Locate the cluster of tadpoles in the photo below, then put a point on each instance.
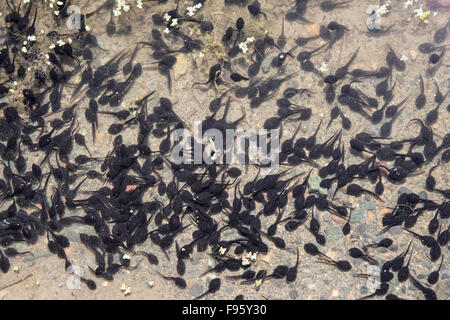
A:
(45, 198)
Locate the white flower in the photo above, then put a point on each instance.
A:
(174, 22)
(198, 6)
(408, 3)
(167, 17)
(222, 251)
(166, 30)
(243, 47)
(88, 28)
(250, 40)
(382, 10)
(125, 289)
(404, 58)
(201, 55)
(24, 49)
(323, 67)
(52, 46)
(139, 4)
(245, 262)
(56, 13)
(191, 11)
(419, 12)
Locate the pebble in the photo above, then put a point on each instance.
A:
(363, 290)
(314, 184)
(333, 234)
(181, 67)
(361, 228)
(196, 290)
(326, 217)
(266, 64)
(370, 205)
(403, 189)
(395, 230)
(73, 236)
(293, 294)
(423, 195)
(382, 250)
(358, 215)
(312, 30)
(393, 247)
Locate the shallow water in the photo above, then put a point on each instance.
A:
(314, 280)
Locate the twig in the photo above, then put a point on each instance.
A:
(16, 282)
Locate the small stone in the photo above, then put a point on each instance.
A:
(73, 236)
(358, 215)
(314, 184)
(423, 195)
(293, 294)
(382, 250)
(393, 248)
(404, 190)
(326, 217)
(333, 234)
(363, 290)
(361, 228)
(413, 55)
(370, 205)
(312, 30)
(266, 64)
(196, 290)
(395, 230)
(181, 66)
